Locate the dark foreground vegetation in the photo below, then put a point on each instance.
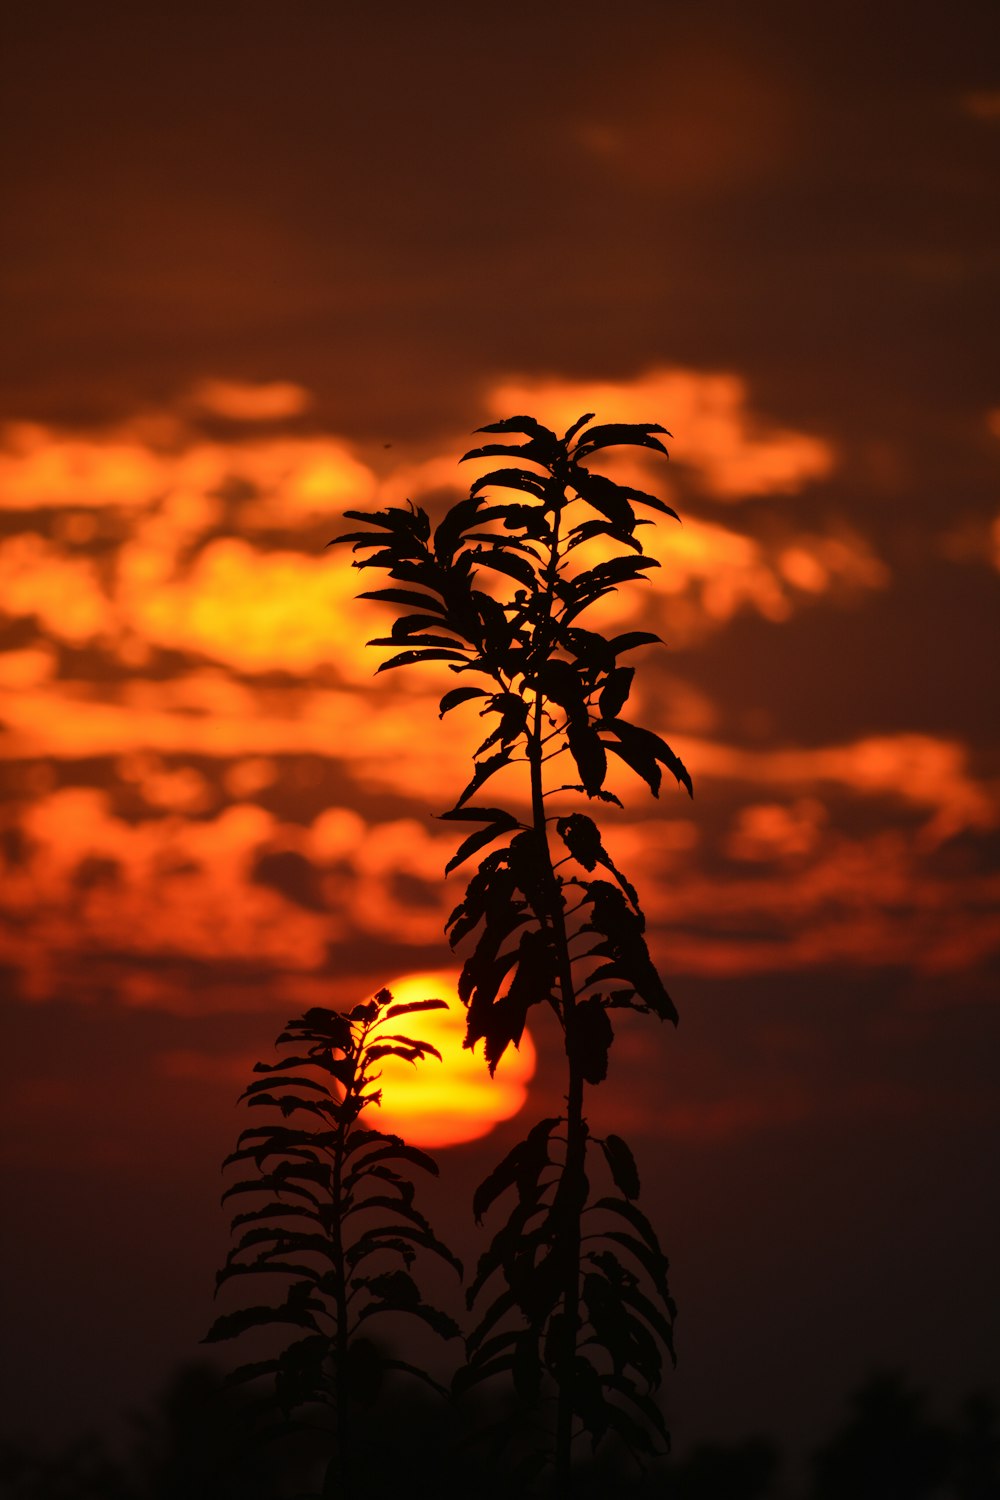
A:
(194, 1446)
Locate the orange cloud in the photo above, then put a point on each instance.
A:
(179, 886)
(864, 906)
(194, 879)
(65, 594)
(243, 401)
(176, 576)
(42, 468)
(771, 830)
(154, 463)
(734, 453)
(209, 714)
(257, 611)
(918, 769)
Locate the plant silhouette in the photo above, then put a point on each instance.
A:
(575, 1285)
(338, 1225)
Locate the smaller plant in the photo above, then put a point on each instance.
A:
(338, 1225)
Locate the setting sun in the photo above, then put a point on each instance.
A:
(444, 1103)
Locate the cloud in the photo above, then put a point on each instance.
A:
(44, 468)
(711, 573)
(64, 593)
(867, 904)
(156, 464)
(236, 884)
(773, 830)
(156, 539)
(176, 634)
(922, 770)
(244, 401)
(255, 610)
(733, 453)
(234, 887)
(819, 564)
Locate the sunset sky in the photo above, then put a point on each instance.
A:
(264, 263)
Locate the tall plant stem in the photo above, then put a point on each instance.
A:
(572, 1185)
(337, 1481)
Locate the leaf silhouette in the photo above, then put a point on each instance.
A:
(511, 479)
(484, 770)
(527, 425)
(614, 694)
(454, 696)
(616, 434)
(410, 1006)
(590, 1039)
(410, 597)
(407, 658)
(622, 1164)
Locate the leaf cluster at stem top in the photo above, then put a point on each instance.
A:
(495, 592)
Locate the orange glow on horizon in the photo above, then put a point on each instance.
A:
(445, 1103)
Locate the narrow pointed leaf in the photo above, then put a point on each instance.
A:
(475, 841)
(620, 434)
(571, 432)
(454, 696)
(622, 1164)
(406, 597)
(484, 770)
(406, 658)
(525, 480)
(407, 1007)
(528, 425)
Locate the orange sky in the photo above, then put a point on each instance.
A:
(258, 273)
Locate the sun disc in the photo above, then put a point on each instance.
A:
(433, 1103)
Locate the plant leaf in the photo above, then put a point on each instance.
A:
(407, 1007)
(475, 841)
(528, 425)
(511, 479)
(590, 1038)
(406, 658)
(454, 696)
(588, 752)
(484, 770)
(524, 1162)
(622, 1165)
(620, 434)
(502, 561)
(406, 597)
(615, 692)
